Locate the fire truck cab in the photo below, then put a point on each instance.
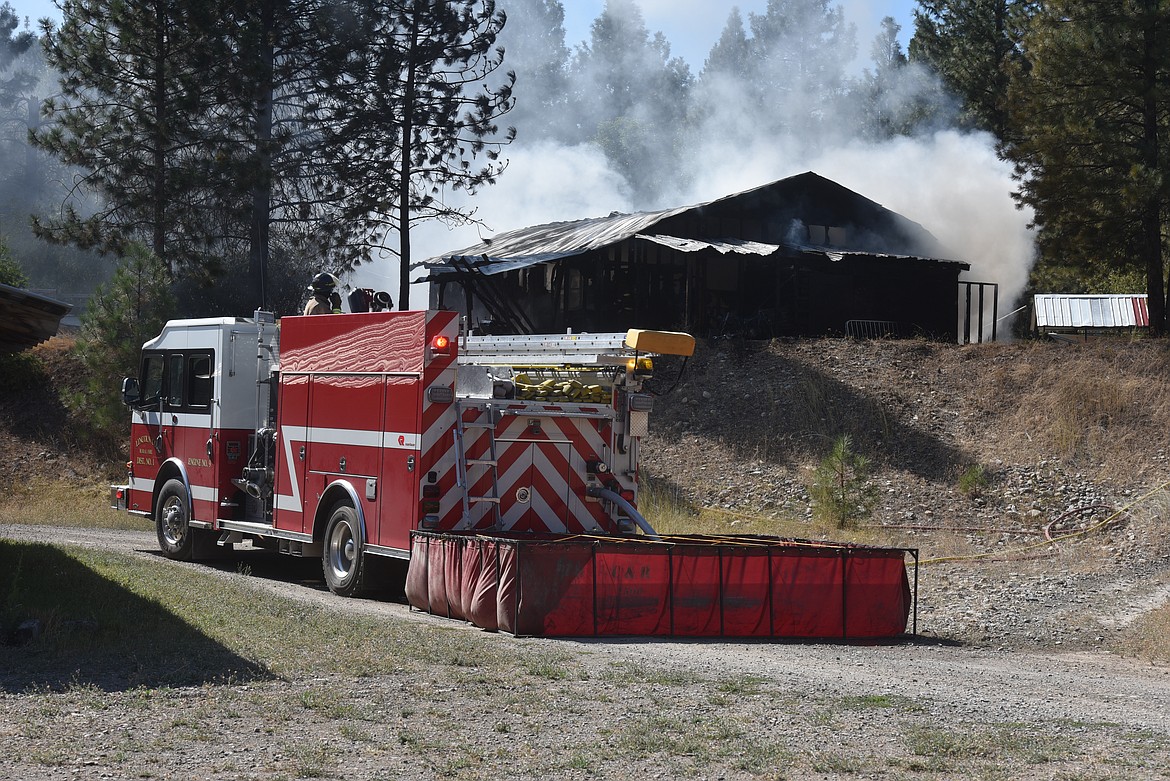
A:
(195, 407)
(339, 435)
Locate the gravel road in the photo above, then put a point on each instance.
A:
(937, 706)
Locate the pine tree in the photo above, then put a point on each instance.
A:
(972, 45)
(1091, 121)
(801, 48)
(730, 57)
(132, 98)
(635, 97)
(12, 45)
(202, 130)
(10, 271)
(534, 40)
(122, 314)
(898, 97)
(423, 69)
(281, 189)
(32, 181)
(841, 491)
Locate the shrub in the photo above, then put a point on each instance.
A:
(841, 491)
(10, 271)
(973, 481)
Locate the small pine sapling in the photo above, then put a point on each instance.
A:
(841, 490)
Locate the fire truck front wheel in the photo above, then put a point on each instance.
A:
(342, 558)
(172, 519)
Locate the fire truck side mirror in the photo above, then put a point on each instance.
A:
(131, 392)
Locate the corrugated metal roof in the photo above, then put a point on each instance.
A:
(553, 241)
(1091, 311)
(837, 255)
(524, 247)
(722, 246)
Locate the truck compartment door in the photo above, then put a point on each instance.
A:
(534, 484)
(398, 488)
(291, 453)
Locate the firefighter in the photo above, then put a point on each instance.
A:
(323, 287)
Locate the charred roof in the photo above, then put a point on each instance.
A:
(803, 212)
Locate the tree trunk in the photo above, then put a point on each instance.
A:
(261, 216)
(159, 185)
(408, 99)
(1151, 223)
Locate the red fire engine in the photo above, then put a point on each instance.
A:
(504, 468)
(340, 435)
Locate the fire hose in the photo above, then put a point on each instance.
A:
(598, 492)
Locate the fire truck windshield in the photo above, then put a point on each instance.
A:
(152, 378)
(183, 380)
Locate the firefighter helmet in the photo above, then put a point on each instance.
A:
(324, 283)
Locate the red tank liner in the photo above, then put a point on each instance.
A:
(550, 585)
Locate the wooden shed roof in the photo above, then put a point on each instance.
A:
(27, 318)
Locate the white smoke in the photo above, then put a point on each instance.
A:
(956, 186)
(951, 183)
(544, 182)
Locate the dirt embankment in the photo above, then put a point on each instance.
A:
(40, 439)
(982, 454)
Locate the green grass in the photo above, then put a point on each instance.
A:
(104, 615)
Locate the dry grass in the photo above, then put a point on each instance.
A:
(1148, 637)
(1092, 414)
(59, 503)
(1096, 404)
(669, 512)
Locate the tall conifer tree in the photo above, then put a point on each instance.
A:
(12, 45)
(534, 39)
(132, 99)
(801, 49)
(972, 45)
(731, 55)
(632, 98)
(1092, 124)
(426, 67)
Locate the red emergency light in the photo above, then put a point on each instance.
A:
(441, 345)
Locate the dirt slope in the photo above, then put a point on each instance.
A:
(1094, 418)
(39, 438)
(1066, 436)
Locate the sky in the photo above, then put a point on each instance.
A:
(691, 26)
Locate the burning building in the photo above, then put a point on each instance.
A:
(802, 256)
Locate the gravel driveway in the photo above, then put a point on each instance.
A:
(937, 706)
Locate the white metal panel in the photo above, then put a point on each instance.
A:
(1088, 311)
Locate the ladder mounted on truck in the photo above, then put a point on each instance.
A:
(611, 349)
(464, 476)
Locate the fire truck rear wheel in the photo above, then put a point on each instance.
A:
(172, 519)
(342, 558)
